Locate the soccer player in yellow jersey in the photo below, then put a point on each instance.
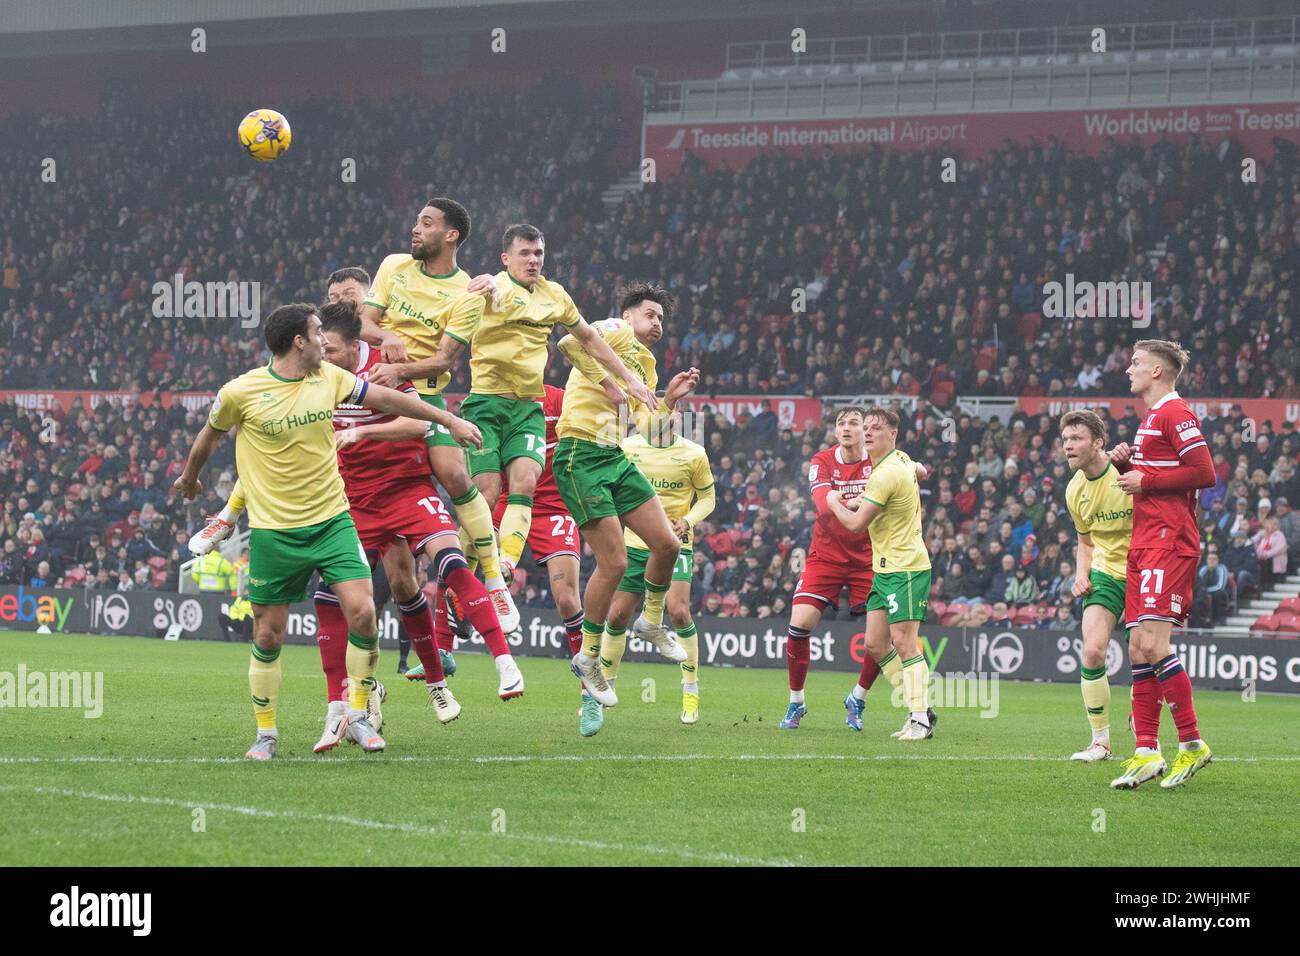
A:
(507, 363)
(297, 508)
(678, 470)
(1103, 517)
(399, 580)
(604, 491)
(889, 508)
(416, 303)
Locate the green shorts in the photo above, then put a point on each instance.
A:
(1108, 592)
(438, 436)
(280, 563)
(511, 428)
(904, 594)
(597, 481)
(634, 578)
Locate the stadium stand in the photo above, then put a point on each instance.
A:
(932, 295)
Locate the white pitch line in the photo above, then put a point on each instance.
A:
(596, 758)
(411, 828)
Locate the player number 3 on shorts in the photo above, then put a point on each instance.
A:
(893, 603)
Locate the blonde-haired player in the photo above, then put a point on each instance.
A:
(678, 470)
(1103, 517)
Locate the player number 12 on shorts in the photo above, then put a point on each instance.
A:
(433, 505)
(1146, 579)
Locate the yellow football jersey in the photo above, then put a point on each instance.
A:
(1102, 511)
(420, 308)
(896, 542)
(284, 447)
(679, 473)
(588, 413)
(510, 344)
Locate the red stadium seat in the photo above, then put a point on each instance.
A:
(938, 608)
(1026, 615)
(986, 359)
(949, 619)
(1290, 606)
(1266, 624)
(1287, 622)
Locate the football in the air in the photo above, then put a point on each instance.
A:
(265, 135)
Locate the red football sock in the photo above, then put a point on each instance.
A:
(1146, 706)
(1176, 687)
(332, 641)
(418, 618)
(478, 608)
(870, 671)
(442, 631)
(796, 655)
(573, 631)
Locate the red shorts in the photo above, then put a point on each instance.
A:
(552, 533)
(821, 583)
(1158, 586)
(410, 510)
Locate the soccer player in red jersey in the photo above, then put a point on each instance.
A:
(391, 496)
(837, 558)
(1167, 464)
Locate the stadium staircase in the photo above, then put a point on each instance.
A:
(1274, 612)
(613, 196)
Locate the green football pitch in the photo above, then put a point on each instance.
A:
(159, 777)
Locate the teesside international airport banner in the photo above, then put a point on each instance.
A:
(971, 135)
(1007, 653)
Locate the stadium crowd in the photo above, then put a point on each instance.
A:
(814, 275)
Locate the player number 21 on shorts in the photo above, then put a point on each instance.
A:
(1146, 579)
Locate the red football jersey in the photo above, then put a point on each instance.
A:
(369, 465)
(1167, 519)
(547, 496)
(831, 541)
